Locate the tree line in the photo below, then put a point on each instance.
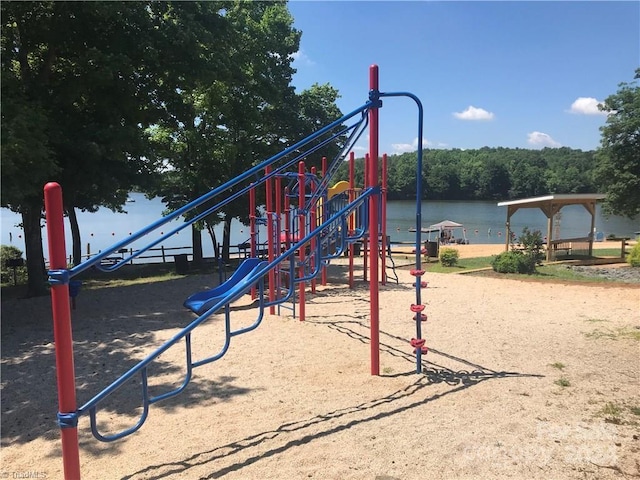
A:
(488, 173)
(176, 98)
(168, 98)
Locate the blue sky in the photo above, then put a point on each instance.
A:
(511, 74)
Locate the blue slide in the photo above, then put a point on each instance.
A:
(200, 302)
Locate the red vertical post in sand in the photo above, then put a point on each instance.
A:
(323, 217)
(374, 288)
(270, 234)
(62, 332)
(301, 233)
(352, 216)
(383, 220)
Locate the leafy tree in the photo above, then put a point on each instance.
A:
(316, 108)
(81, 82)
(494, 181)
(618, 169)
(528, 178)
(235, 121)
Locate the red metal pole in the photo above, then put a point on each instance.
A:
(373, 225)
(301, 232)
(383, 219)
(62, 332)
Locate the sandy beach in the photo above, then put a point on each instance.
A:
(523, 380)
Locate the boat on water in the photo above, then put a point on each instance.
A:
(445, 232)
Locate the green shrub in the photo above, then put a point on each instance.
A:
(508, 262)
(9, 252)
(448, 257)
(525, 257)
(634, 256)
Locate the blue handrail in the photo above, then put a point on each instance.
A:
(333, 228)
(255, 277)
(252, 173)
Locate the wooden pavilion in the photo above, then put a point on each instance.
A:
(550, 206)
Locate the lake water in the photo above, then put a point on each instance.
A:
(104, 228)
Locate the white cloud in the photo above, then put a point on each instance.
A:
(539, 139)
(473, 113)
(586, 106)
(302, 59)
(410, 147)
(360, 148)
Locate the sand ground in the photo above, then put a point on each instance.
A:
(522, 380)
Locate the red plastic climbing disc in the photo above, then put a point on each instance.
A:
(417, 308)
(416, 273)
(417, 342)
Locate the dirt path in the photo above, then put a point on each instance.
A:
(522, 380)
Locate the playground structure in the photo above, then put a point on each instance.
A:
(301, 240)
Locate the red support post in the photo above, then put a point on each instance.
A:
(62, 331)
(373, 223)
(301, 233)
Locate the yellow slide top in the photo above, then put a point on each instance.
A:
(338, 188)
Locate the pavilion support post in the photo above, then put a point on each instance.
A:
(591, 208)
(549, 232)
(510, 212)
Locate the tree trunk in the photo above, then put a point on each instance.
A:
(226, 238)
(214, 239)
(37, 275)
(75, 236)
(196, 236)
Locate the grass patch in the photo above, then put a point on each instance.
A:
(635, 410)
(462, 265)
(625, 333)
(560, 272)
(558, 365)
(563, 382)
(606, 252)
(126, 275)
(611, 412)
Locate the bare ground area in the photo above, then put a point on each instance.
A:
(522, 380)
